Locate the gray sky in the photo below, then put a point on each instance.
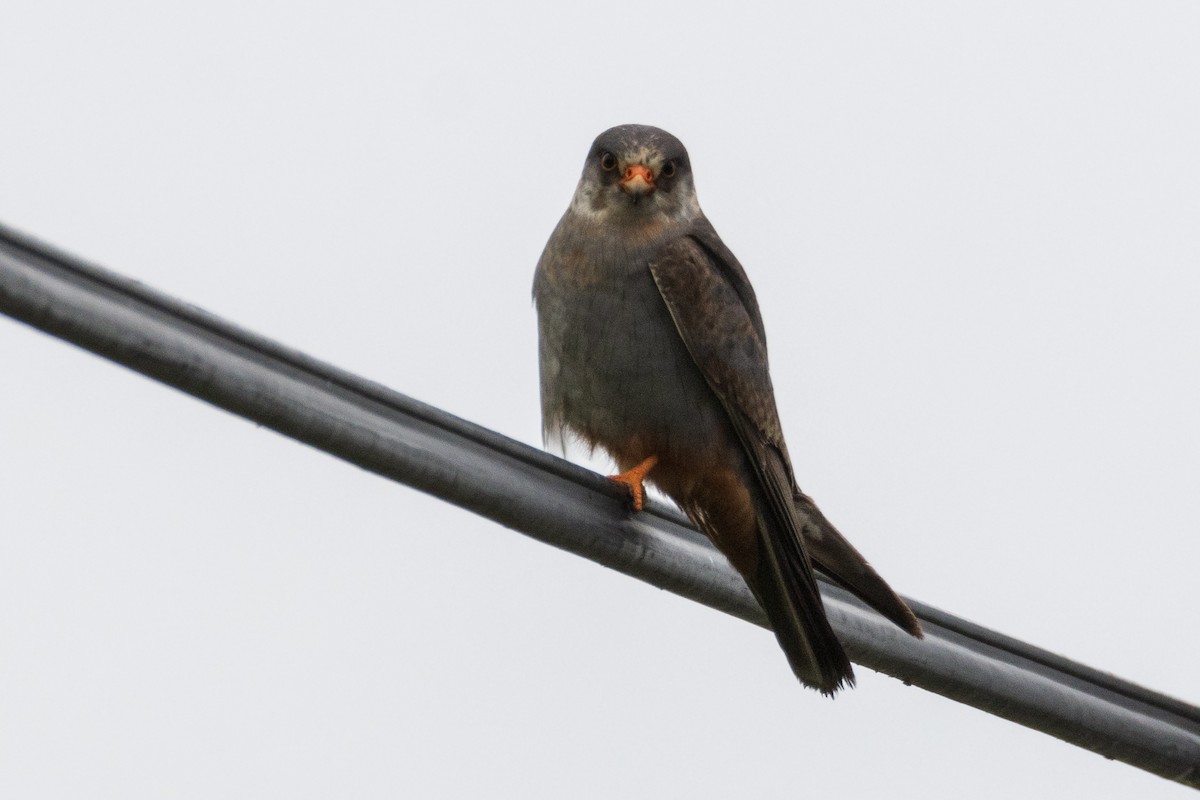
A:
(973, 232)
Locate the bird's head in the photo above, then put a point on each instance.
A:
(637, 174)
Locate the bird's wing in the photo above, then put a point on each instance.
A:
(724, 261)
(839, 559)
(826, 546)
(714, 310)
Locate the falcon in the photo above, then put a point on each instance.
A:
(652, 348)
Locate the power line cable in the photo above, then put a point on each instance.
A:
(565, 505)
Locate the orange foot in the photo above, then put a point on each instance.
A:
(632, 480)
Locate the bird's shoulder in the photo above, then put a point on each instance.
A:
(716, 314)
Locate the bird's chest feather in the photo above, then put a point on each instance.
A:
(614, 369)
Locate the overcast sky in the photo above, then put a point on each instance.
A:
(973, 232)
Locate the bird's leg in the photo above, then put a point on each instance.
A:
(632, 480)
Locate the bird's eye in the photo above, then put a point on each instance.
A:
(668, 170)
(608, 162)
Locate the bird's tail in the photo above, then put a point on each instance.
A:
(787, 590)
(836, 557)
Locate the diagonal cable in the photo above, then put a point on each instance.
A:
(564, 505)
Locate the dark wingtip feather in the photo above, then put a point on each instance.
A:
(837, 558)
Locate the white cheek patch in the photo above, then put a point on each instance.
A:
(582, 204)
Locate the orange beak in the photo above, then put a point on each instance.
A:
(638, 180)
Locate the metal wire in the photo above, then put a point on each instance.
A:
(564, 505)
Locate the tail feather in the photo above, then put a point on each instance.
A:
(787, 591)
(836, 557)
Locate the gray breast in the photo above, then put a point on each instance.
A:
(612, 363)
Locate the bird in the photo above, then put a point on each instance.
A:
(652, 348)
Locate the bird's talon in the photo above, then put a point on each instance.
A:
(632, 480)
(637, 493)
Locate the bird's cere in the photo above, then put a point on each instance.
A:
(638, 179)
